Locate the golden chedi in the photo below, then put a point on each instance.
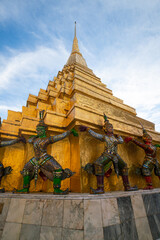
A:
(76, 96)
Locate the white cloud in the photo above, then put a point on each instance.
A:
(5, 107)
(26, 72)
(135, 77)
(146, 5)
(34, 66)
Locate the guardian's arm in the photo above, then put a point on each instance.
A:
(31, 139)
(53, 139)
(96, 135)
(9, 142)
(142, 145)
(120, 140)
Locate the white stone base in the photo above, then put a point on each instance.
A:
(113, 215)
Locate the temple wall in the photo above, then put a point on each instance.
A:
(75, 180)
(13, 156)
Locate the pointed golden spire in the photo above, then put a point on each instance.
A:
(75, 47)
(76, 56)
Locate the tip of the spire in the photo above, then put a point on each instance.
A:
(75, 29)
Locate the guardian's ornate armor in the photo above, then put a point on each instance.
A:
(150, 160)
(48, 166)
(102, 166)
(110, 155)
(43, 161)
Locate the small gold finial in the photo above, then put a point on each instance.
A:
(75, 47)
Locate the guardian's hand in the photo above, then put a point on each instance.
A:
(128, 139)
(22, 139)
(83, 128)
(74, 132)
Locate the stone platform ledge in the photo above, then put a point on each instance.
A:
(83, 196)
(110, 216)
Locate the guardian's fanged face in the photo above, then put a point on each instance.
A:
(40, 130)
(108, 128)
(147, 138)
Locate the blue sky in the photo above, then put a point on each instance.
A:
(119, 39)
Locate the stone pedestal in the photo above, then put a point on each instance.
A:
(111, 216)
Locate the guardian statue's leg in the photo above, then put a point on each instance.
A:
(99, 173)
(53, 171)
(124, 173)
(147, 168)
(28, 174)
